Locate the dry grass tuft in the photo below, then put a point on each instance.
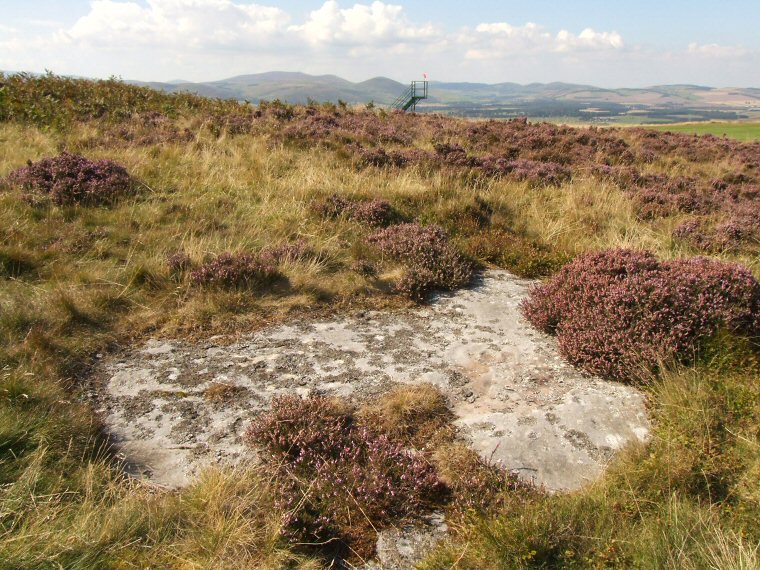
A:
(221, 392)
(418, 414)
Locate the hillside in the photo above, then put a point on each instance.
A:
(282, 336)
(664, 103)
(291, 87)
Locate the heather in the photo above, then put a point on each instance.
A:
(233, 270)
(622, 313)
(374, 212)
(340, 479)
(219, 176)
(72, 179)
(431, 262)
(284, 252)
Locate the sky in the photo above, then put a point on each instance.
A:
(612, 43)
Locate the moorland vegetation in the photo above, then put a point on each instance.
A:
(127, 213)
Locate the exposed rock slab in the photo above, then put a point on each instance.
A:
(175, 407)
(402, 548)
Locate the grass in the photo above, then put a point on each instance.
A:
(741, 131)
(78, 281)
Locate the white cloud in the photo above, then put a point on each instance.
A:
(497, 40)
(178, 23)
(376, 23)
(717, 50)
(500, 39)
(588, 39)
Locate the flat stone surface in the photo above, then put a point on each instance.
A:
(403, 547)
(517, 402)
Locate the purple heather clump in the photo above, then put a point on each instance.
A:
(338, 478)
(431, 261)
(72, 179)
(375, 212)
(536, 173)
(620, 313)
(178, 261)
(283, 252)
(234, 270)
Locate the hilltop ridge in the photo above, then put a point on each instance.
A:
(658, 103)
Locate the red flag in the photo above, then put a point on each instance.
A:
(424, 75)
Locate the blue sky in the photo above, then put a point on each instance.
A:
(588, 41)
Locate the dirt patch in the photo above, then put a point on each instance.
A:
(175, 406)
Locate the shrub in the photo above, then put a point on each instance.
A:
(338, 479)
(431, 261)
(286, 252)
(374, 212)
(178, 262)
(331, 207)
(621, 313)
(380, 158)
(738, 230)
(741, 226)
(72, 179)
(536, 173)
(233, 270)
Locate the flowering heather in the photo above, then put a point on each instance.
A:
(431, 261)
(455, 155)
(374, 212)
(741, 226)
(658, 196)
(276, 254)
(178, 262)
(620, 313)
(332, 207)
(72, 179)
(233, 270)
(537, 173)
(738, 229)
(380, 157)
(693, 233)
(339, 479)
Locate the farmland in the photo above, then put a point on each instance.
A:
(741, 131)
(128, 215)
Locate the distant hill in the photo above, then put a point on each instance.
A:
(292, 87)
(564, 101)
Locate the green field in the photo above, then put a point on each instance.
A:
(738, 131)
